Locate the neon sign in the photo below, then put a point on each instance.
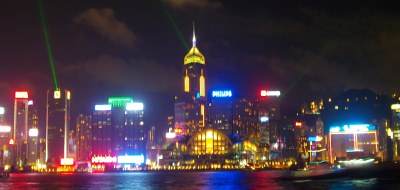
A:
(263, 93)
(21, 95)
(314, 138)
(120, 101)
(352, 128)
(104, 159)
(222, 93)
(274, 93)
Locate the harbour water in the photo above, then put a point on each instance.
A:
(186, 180)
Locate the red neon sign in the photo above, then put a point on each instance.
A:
(263, 93)
(21, 95)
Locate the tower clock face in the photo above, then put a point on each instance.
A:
(57, 94)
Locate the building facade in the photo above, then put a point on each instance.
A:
(83, 137)
(118, 128)
(20, 130)
(57, 125)
(221, 111)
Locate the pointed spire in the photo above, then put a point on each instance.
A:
(194, 37)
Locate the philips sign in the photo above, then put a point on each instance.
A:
(222, 94)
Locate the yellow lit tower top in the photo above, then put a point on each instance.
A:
(194, 71)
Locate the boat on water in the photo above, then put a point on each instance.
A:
(315, 170)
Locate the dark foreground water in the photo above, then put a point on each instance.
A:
(185, 180)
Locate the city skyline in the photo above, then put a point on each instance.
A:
(124, 48)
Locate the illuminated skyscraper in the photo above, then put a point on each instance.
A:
(246, 121)
(20, 131)
(33, 134)
(269, 114)
(221, 111)
(190, 107)
(118, 128)
(57, 125)
(361, 106)
(83, 137)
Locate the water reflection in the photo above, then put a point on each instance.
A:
(184, 180)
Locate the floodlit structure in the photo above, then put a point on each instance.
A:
(352, 142)
(209, 142)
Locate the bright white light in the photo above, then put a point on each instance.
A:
(395, 106)
(263, 93)
(67, 161)
(102, 107)
(57, 94)
(5, 129)
(354, 128)
(33, 132)
(209, 134)
(334, 129)
(274, 93)
(131, 159)
(21, 95)
(2, 110)
(30, 102)
(134, 106)
(357, 163)
(170, 135)
(264, 119)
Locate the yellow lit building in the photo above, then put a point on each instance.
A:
(210, 147)
(190, 105)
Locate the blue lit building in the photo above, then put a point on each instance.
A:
(221, 111)
(118, 128)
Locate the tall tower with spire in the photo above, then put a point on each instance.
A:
(190, 107)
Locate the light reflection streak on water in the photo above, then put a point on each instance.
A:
(184, 180)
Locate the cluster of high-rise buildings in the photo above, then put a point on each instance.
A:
(209, 130)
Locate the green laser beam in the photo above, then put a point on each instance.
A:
(171, 20)
(47, 40)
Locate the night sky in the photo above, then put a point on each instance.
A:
(136, 48)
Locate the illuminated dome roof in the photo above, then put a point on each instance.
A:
(209, 141)
(194, 56)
